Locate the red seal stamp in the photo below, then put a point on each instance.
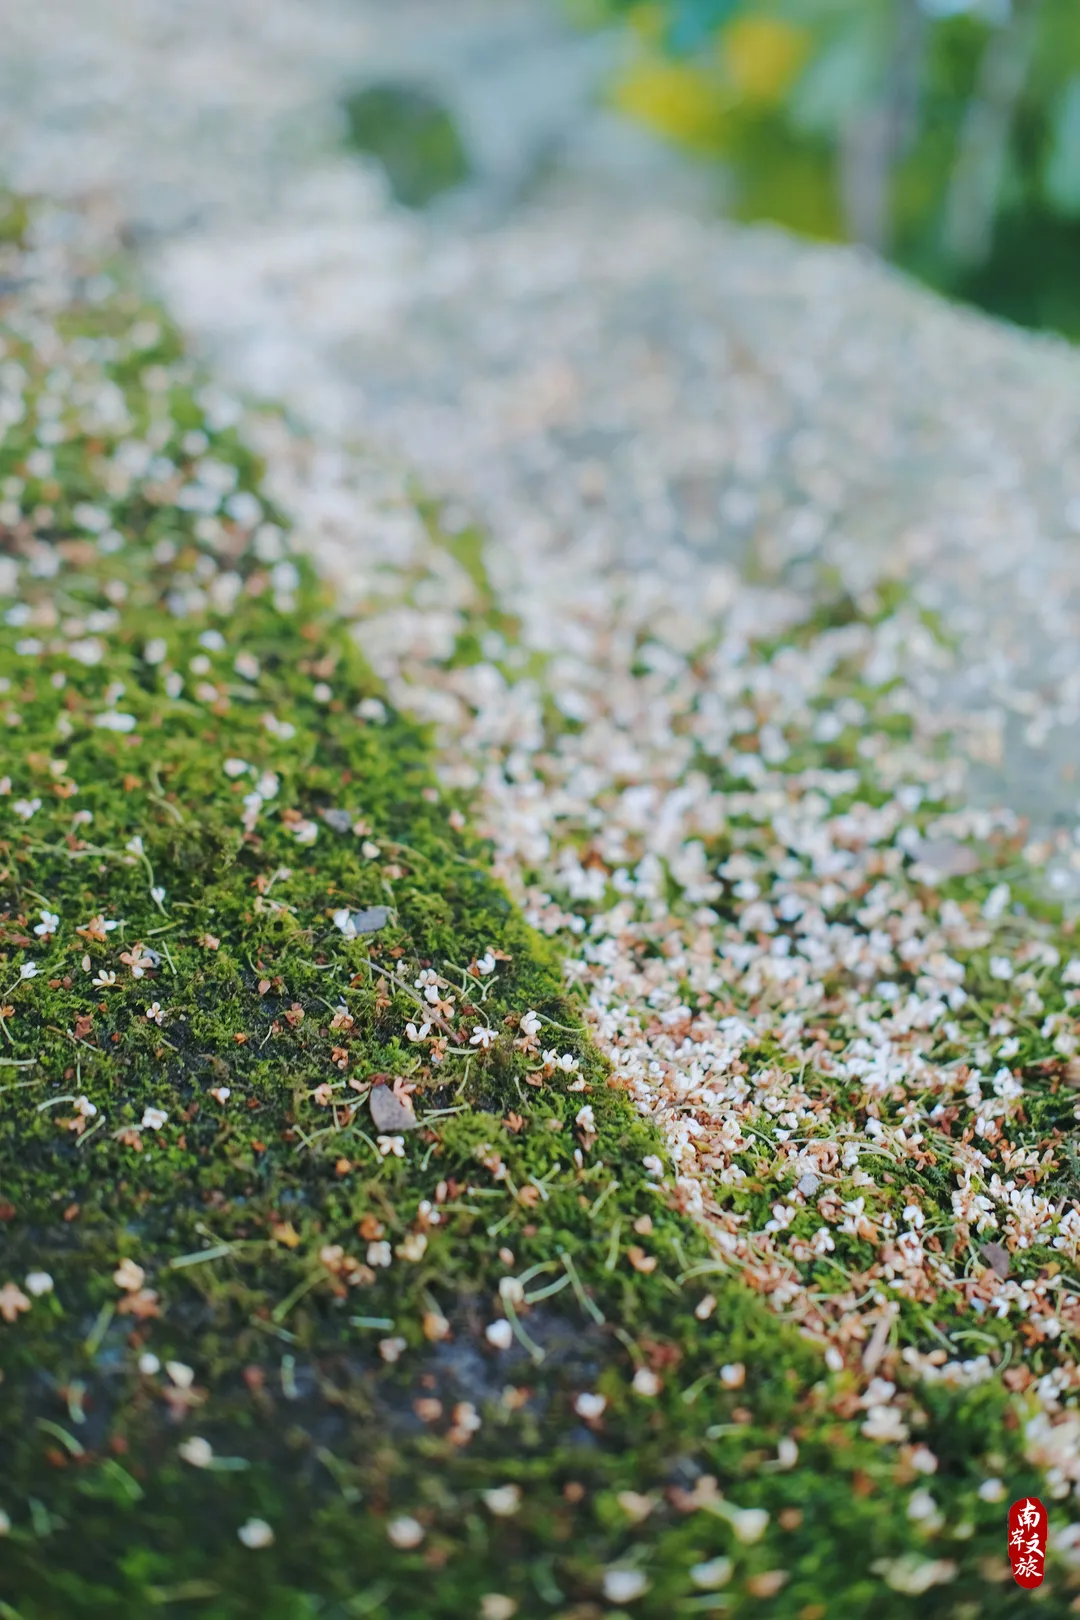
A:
(1027, 1541)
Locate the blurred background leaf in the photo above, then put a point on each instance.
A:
(943, 134)
(414, 136)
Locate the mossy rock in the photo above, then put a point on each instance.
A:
(258, 1359)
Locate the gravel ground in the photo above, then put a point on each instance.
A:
(675, 434)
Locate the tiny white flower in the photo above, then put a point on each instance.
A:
(716, 1573)
(114, 720)
(502, 1500)
(157, 894)
(134, 846)
(992, 1490)
(497, 1606)
(29, 970)
(49, 923)
(181, 1374)
(256, 1533)
(589, 1405)
(1000, 967)
(129, 1275)
(154, 1118)
(343, 919)
(499, 1334)
(103, 980)
(486, 963)
(568, 1063)
(483, 1038)
(85, 1107)
(197, 1451)
(25, 808)
(787, 1452)
(391, 1145)
(624, 1585)
(155, 1013)
(38, 1283)
(530, 1023)
(149, 1364)
(646, 1382)
(749, 1524)
(996, 901)
(404, 1533)
(220, 1094)
(420, 1034)
(378, 1254)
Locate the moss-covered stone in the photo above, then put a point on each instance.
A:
(247, 1367)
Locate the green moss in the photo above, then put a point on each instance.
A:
(250, 1214)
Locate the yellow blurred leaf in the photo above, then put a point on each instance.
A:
(679, 99)
(762, 56)
(649, 22)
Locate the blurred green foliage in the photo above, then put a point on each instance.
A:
(944, 134)
(413, 135)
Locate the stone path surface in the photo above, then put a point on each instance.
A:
(603, 374)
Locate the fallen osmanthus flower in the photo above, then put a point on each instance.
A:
(98, 928)
(129, 1275)
(503, 1501)
(140, 959)
(590, 1406)
(404, 1533)
(256, 1534)
(12, 1301)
